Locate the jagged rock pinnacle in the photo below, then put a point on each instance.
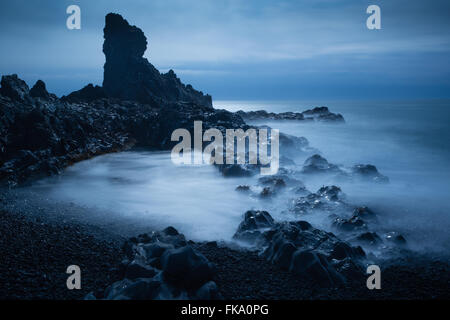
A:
(129, 76)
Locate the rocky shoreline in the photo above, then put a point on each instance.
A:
(138, 106)
(37, 270)
(321, 114)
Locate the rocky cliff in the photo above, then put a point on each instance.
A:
(137, 105)
(128, 75)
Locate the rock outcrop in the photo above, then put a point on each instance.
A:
(318, 164)
(162, 265)
(41, 134)
(316, 114)
(14, 88)
(302, 249)
(87, 94)
(368, 172)
(129, 76)
(39, 90)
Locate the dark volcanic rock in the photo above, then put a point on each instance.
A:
(161, 265)
(129, 76)
(298, 247)
(39, 90)
(262, 114)
(243, 188)
(370, 238)
(395, 238)
(351, 224)
(369, 172)
(364, 213)
(315, 265)
(275, 181)
(253, 224)
(318, 164)
(322, 114)
(87, 94)
(327, 198)
(237, 170)
(14, 88)
(62, 131)
(318, 114)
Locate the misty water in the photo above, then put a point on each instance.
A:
(407, 141)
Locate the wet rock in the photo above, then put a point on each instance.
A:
(185, 268)
(395, 237)
(272, 181)
(364, 213)
(327, 198)
(315, 265)
(368, 172)
(297, 246)
(208, 291)
(156, 249)
(237, 170)
(293, 146)
(322, 114)
(330, 193)
(318, 164)
(163, 266)
(318, 114)
(14, 88)
(212, 244)
(264, 115)
(126, 289)
(253, 224)
(243, 188)
(369, 238)
(87, 94)
(39, 90)
(342, 251)
(283, 255)
(266, 192)
(352, 224)
(138, 269)
(350, 269)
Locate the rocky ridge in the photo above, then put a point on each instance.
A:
(316, 114)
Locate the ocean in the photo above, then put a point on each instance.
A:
(408, 141)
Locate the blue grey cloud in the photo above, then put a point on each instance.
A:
(244, 48)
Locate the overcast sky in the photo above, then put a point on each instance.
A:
(243, 49)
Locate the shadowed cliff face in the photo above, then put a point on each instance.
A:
(129, 76)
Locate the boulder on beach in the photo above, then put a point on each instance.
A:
(162, 265)
(299, 247)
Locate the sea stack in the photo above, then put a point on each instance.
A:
(129, 76)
